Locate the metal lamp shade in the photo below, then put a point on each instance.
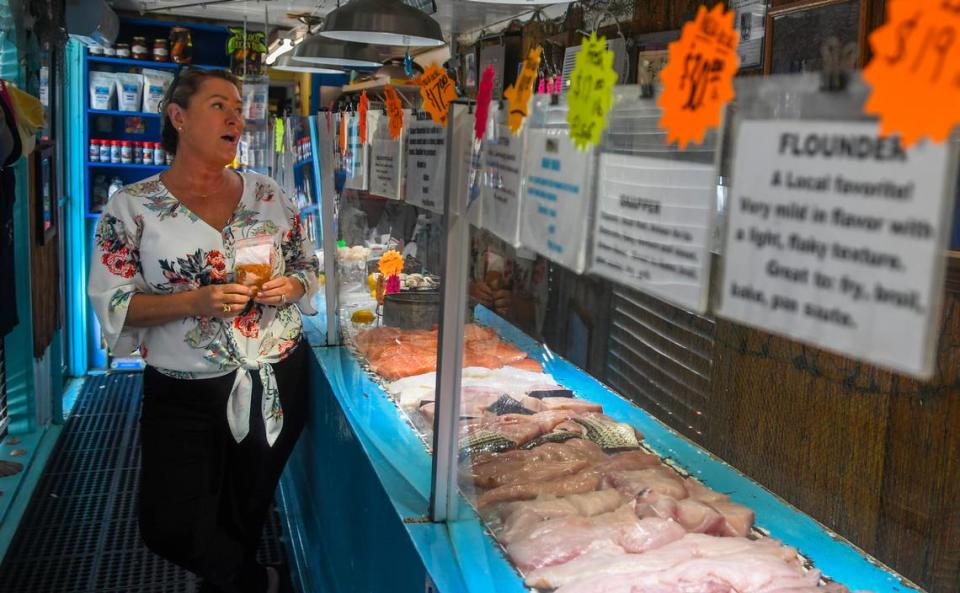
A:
(285, 62)
(328, 52)
(382, 22)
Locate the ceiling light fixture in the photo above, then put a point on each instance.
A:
(382, 22)
(276, 50)
(285, 62)
(317, 50)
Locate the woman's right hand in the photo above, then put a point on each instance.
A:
(221, 300)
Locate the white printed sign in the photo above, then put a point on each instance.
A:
(652, 227)
(386, 160)
(501, 192)
(356, 158)
(556, 198)
(749, 22)
(835, 238)
(426, 162)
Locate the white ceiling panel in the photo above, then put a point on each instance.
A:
(455, 16)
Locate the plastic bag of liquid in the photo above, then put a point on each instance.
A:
(102, 89)
(155, 85)
(129, 91)
(255, 261)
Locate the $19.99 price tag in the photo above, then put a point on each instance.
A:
(698, 78)
(915, 71)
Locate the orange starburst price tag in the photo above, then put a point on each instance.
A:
(519, 93)
(698, 78)
(915, 70)
(394, 111)
(437, 91)
(362, 113)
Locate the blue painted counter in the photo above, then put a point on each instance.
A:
(357, 488)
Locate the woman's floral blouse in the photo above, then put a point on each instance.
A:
(148, 242)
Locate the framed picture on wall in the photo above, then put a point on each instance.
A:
(795, 33)
(45, 192)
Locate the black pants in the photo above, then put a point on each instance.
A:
(204, 497)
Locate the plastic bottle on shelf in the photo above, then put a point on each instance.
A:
(159, 155)
(138, 153)
(105, 150)
(147, 153)
(126, 152)
(94, 150)
(116, 150)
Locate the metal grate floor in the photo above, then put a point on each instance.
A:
(79, 533)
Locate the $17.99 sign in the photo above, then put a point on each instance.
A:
(698, 78)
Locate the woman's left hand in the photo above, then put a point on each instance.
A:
(280, 292)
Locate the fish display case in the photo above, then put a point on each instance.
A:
(486, 461)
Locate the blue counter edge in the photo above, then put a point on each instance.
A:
(461, 557)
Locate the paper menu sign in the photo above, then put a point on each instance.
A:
(426, 159)
(386, 160)
(501, 191)
(355, 157)
(653, 227)
(556, 198)
(835, 238)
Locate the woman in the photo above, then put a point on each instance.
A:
(223, 394)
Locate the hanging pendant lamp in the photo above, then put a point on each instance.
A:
(382, 22)
(317, 50)
(285, 62)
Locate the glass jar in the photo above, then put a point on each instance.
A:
(159, 156)
(123, 50)
(139, 48)
(115, 152)
(126, 152)
(109, 51)
(181, 45)
(138, 153)
(148, 153)
(94, 151)
(161, 52)
(95, 49)
(105, 150)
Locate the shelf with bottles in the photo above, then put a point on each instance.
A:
(116, 113)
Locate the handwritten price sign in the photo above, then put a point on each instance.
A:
(394, 111)
(437, 91)
(915, 71)
(591, 92)
(519, 93)
(698, 78)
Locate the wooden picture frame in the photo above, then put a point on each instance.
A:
(45, 192)
(810, 8)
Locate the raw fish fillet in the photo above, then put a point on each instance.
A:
(521, 516)
(559, 540)
(595, 503)
(428, 410)
(584, 481)
(511, 467)
(659, 479)
(738, 519)
(613, 562)
(700, 492)
(692, 515)
(570, 403)
(528, 364)
(515, 427)
(630, 461)
(605, 568)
